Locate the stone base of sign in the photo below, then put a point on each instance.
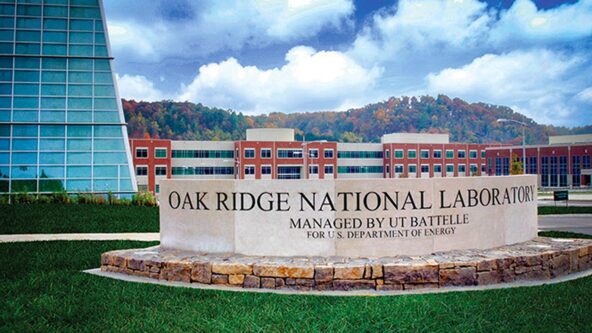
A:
(539, 259)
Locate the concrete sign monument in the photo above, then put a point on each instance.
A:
(354, 218)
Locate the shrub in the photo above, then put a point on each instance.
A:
(44, 199)
(60, 197)
(84, 198)
(144, 199)
(24, 198)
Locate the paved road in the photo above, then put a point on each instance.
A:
(581, 223)
(51, 237)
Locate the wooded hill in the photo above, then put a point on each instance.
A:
(465, 122)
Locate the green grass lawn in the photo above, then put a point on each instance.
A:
(44, 290)
(75, 218)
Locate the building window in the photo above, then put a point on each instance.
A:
(199, 171)
(483, 154)
(176, 153)
(313, 169)
(328, 153)
(462, 154)
(462, 169)
(289, 153)
(360, 154)
(387, 153)
(398, 153)
(328, 169)
(288, 172)
(425, 153)
(160, 170)
(472, 154)
(482, 169)
(473, 169)
(425, 168)
(249, 153)
(449, 169)
(399, 168)
(157, 188)
(449, 153)
(266, 170)
(313, 153)
(266, 153)
(141, 152)
(360, 169)
(412, 168)
(387, 169)
(141, 170)
(437, 153)
(411, 153)
(437, 168)
(160, 153)
(249, 169)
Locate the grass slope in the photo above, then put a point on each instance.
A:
(75, 218)
(44, 290)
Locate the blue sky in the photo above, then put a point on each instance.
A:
(261, 56)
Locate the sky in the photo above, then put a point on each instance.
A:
(262, 56)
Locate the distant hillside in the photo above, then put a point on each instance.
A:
(476, 122)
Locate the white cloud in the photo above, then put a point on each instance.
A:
(139, 88)
(585, 95)
(537, 82)
(211, 26)
(308, 81)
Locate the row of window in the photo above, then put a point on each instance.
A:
(53, 49)
(158, 153)
(60, 145)
(71, 64)
(436, 153)
(76, 157)
(58, 103)
(57, 131)
(61, 171)
(59, 37)
(88, 11)
(59, 116)
(202, 171)
(35, 76)
(283, 171)
(359, 154)
(73, 90)
(425, 168)
(186, 153)
(288, 153)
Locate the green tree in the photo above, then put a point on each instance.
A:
(516, 166)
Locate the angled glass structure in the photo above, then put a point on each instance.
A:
(61, 120)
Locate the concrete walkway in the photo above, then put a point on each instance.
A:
(144, 236)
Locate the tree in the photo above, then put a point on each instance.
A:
(516, 166)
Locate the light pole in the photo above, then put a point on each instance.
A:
(503, 120)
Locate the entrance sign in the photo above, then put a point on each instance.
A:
(347, 217)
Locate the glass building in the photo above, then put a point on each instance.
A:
(61, 120)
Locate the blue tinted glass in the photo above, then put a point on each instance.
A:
(80, 90)
(51, 144)
(54, 63)
(22, 48)
(81, 25)
(124, 171)
(105, 104)
(4, 130)
(6, 22)
(108, 144)
(106, 116)
(5, 102)
(85, 12)
(28, 10)
(84, 2)
(78, 158)
(81, 37)
(24, 144)
(28, 36)
(52, 131)
(80, 77)
(53, 116)
(80, 103)
(51, 171)
(56, 2)
(5, 75)
(26, 62)
(102, 65)
(4, 170)
(25, 115)
(26, 76)
(24, 130)
(6, 47)
(24, 158)
(104, 91)
(105, 184)
(53, 103)
(80, 64)
(4, 115)
(26, 89)
(101, 51)
(55, 24)
(79, 131)
(79, 116)
(7, 35)
(51, 158)
(125, 185)
(81, 50)
(55, 11)
(105, 171)
(107, 131)
(54, 49)
(54, 37)
(79, 144)
(6, 62)
(58, 77)
(100, 38)
(28, 23)
(78, 185)
(4, 158)
(78, 172)
(103, 78)
(25, 102)
(7, 9)
(5, 89)
(24, 171)
(53, 90)
(109, 158)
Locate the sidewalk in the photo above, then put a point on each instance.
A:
(144, 236)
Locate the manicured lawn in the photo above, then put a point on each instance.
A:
(44, 290)
(552, 210)
(76, 218)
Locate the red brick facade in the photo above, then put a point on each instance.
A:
(151, 161)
